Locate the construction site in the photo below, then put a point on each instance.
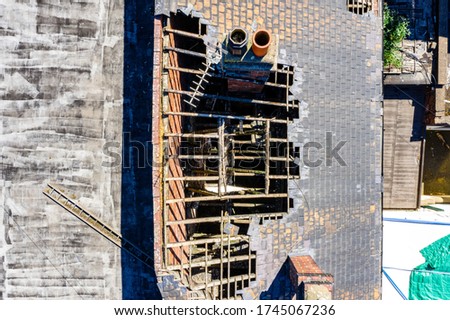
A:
(253, 170)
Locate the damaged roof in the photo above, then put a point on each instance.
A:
(336, 211)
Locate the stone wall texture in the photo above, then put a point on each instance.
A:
(61, 75)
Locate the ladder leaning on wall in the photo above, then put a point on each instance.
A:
(58, 196)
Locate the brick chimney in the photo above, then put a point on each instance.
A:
(311, 282)
(246, 72)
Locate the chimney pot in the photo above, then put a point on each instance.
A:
(237, 41)
(261, 42)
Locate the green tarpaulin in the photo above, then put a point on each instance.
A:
(431, 280)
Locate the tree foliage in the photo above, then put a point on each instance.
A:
(395, 30)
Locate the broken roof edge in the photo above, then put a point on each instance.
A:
(165, 7)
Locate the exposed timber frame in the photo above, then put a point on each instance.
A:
(226, 162)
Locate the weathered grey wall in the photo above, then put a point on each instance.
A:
(61, 79)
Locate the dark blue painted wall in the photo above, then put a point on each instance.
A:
(138, 282)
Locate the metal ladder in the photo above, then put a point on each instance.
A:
(58, 196)
(199, 84)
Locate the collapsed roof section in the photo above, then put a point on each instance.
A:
(337, 59)
(226, 155)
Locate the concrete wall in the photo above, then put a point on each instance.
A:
(61, 80)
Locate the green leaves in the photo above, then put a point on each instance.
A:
(395, 30)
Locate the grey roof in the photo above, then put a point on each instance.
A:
(337, 207)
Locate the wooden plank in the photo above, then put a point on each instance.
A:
(267, 158)
(402, 157)
(217, 282)
(233, 217)
(203, 241)
(442, 42)
(227, 197)
(227, 98)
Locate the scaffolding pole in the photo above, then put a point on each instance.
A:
(211, 262)
(183, 33)
(227, 197)
(267, 158)
(221, 255)
(222, 156)
(186, 52)
(203, 241)
(233, 217)
(184, 70)
(215, 283)
(228, 263)
(192, 156)
(193, 178)
(191, 135)
(225, 98)
(216, 116)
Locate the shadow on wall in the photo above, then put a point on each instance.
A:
(417, 95)
(281, 287)
(138, 282)
(436, 174)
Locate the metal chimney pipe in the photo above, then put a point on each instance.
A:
(237, 41)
